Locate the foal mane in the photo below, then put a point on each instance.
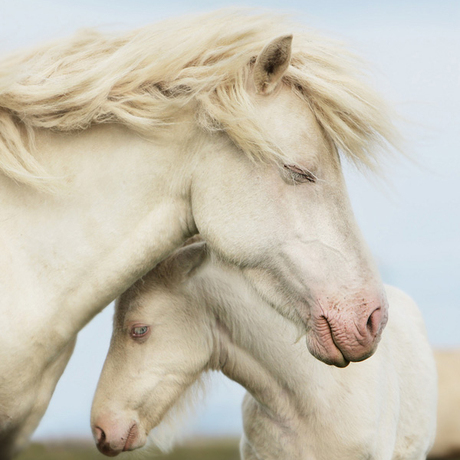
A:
(144, 78)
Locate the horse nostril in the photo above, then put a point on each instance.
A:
(100, 435)
(374, 321)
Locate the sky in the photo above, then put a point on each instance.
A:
(410, 216)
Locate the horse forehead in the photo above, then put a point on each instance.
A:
(287, 117)
(147, 301)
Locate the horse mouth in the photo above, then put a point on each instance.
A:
(131, 438)
(321, 344)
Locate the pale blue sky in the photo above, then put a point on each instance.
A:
(411, 221)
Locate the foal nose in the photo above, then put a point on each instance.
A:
(112, 438)
(99, 434)
(103, 444)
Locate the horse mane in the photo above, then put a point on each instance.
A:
(144, 78)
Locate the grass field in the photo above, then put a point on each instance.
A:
(204, 450)
(209, 450)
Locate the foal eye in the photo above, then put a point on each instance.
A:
(300, 175)
(139, 331)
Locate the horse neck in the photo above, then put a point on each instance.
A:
(256, 347)
(68, 255)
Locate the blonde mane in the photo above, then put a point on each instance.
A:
(143, 78)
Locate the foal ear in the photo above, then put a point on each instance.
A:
(189, 258)
(271, 64)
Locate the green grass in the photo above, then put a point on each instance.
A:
(73, 450)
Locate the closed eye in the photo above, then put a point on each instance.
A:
(300, 175)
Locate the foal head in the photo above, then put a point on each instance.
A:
(163, 340)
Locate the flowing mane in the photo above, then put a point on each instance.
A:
(143, 78)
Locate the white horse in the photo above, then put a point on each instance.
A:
(447, 442)
(115, 149)
(193, 313)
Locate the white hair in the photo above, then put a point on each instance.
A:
(143, 78)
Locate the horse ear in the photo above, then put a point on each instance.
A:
(271, 64)
(189, 258)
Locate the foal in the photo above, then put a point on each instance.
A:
(192, 313)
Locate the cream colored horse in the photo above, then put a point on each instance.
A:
(115, 149)
(193, 313)
(447, 442)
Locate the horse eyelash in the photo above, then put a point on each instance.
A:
(305, 173)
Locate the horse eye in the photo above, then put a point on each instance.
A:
(139, 331)
(300, 175)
